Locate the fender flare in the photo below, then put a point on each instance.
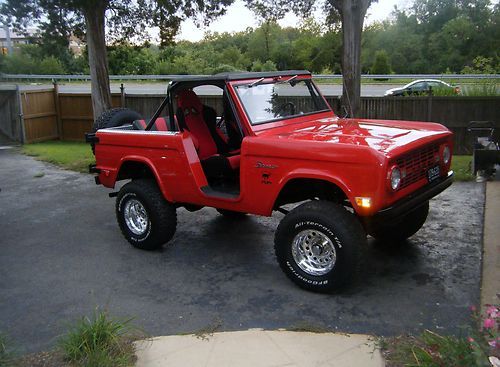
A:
(305, 174)
(150, 165)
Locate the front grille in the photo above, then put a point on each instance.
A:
(414, 165)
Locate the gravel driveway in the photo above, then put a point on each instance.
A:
(62, 255)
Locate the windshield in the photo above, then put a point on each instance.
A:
(274, 101)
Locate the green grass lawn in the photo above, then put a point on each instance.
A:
(69, 155)
(461, 165)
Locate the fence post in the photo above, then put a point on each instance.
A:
(122, 95)
(22, 132)
(58, 110)
(429, 105)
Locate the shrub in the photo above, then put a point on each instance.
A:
(478, 349)
(50, 65)
(381, 64)
(98, 341)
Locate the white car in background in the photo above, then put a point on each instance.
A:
(421, 86)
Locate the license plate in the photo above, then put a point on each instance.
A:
(433, 173)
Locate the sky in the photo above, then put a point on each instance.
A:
(238, 18)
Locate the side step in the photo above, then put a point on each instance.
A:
(207, 190)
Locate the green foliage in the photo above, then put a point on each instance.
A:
(131, 60)
(485, 88)
(483, 65)
(267, 66)
(51, 65)
(431, 36)
(381, 64)
(461, 166)
(6, 358)
(433, 350)
(98, 341)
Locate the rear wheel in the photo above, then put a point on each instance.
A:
(145, 218)
(318, 245)
(403, 228)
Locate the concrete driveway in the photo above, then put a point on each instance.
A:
(62, 255)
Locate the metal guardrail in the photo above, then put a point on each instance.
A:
(10, 77)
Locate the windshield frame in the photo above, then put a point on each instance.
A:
(280, 80)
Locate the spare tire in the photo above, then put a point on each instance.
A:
(116, 117)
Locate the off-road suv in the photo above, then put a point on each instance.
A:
(267, 141)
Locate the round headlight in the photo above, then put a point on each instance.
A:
(395, 178)
(446, 155)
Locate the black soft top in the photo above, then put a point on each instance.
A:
(237, 76)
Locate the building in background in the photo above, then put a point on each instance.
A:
(10, 40)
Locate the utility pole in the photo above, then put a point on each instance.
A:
(7, 37)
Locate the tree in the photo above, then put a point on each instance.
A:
(351, 13)
(125, 18)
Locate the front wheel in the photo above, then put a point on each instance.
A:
(318, 246)
(145, 218)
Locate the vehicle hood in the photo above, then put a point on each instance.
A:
(392, 90)
(385, 136)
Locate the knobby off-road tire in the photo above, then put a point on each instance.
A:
(230, 214)
(116, 117)
(405, 227)
(113, 118)
(318, 246)
(145, 218)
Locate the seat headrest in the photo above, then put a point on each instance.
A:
(189, 103)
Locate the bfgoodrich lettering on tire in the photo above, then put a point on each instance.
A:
(145, 218)
(318, 245)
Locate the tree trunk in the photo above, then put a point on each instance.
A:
(98, 60)
(353, 14)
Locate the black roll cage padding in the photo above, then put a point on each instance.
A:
(158, 112)
(235, 113)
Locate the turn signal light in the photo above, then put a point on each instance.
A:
(363, 202)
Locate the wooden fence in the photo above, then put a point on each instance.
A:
(51, 115)
(76, 116)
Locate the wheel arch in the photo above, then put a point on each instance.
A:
(139, 167)
(298, 188)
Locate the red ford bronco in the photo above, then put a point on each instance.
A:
(271, 140)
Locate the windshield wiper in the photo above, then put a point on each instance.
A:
(288, 80)
(255, 83)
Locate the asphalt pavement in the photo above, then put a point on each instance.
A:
(62, 255)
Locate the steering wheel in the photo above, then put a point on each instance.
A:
(285, 105)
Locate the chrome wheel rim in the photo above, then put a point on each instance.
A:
(136, 217)
(314, 252)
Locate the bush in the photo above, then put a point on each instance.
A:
(98, 341)
(50, 65)
(381, 64)
(430, 349)
(19, 64)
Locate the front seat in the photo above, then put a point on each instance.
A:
(200, 121)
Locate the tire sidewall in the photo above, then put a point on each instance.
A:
(116, 117)
(122, 200)
(316, 282)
